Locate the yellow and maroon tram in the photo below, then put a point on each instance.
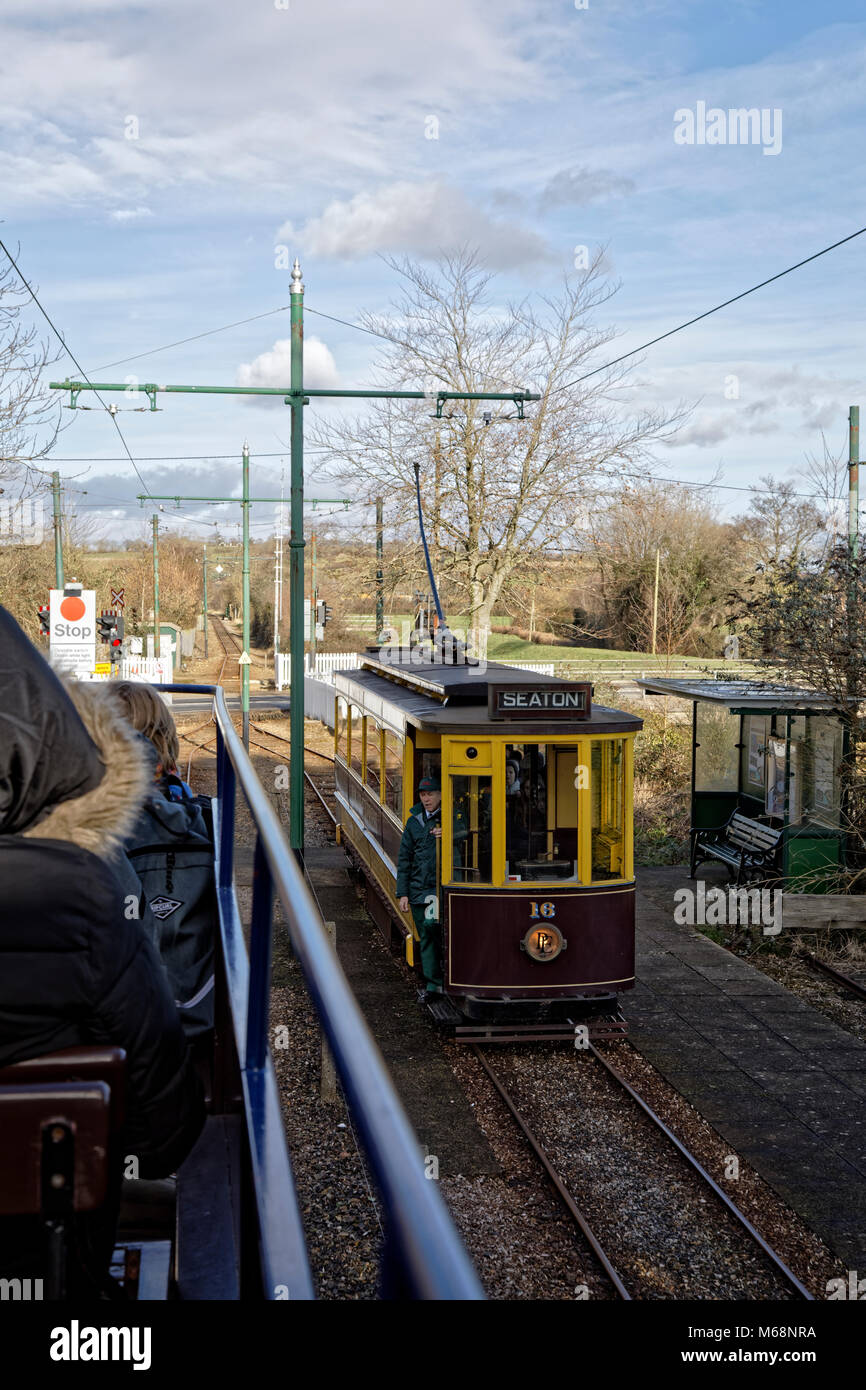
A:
(536, 871)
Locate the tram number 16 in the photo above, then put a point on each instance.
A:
(539, 910)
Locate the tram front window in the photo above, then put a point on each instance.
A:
(541, 782)
(471, 838)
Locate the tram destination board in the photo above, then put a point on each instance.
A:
(540, 700)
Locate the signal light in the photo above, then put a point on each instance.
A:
(44, 612)
(107, 625)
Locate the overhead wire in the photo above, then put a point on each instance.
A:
(707, 312)
(151, 352)
(25, 282)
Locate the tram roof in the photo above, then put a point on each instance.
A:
(745, 695)
(453, 699)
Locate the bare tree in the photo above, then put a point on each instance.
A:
(827, 474)
(496, 490)
(779, 523)
(696, 554)
(29, 414)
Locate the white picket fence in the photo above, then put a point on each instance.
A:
(157, 669)
(326, 663)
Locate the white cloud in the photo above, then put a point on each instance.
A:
(578, 186)
(130, 214)
(273, 368)
(420, 218)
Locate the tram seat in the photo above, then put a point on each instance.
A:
(60, 1160)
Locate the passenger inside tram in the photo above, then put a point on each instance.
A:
(542, 795)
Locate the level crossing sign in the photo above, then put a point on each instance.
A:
(117, 598)
(72, 630)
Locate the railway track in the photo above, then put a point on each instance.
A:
(837, 976)
(231, 645)
(706, 1184)
(579, 1216)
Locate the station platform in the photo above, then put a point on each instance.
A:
(780, 1082)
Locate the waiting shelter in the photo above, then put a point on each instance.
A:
(773, 753)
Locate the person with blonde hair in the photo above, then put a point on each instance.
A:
(171, 850)
(147, 712)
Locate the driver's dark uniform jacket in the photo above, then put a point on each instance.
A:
(76, 965)
(417, 880)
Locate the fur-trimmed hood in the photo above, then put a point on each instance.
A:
(101, 819)
(71, 768)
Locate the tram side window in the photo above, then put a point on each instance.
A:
(608, 835)
(393, 771)
(374, 756)
(355, 726)
(471, 825)
(342, 729)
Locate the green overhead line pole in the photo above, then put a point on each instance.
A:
(313, 594)
(380, 578)
(245, 655)
(58, 531)
(204, 573)
(296, 568)
(297, 397)
(156, 586)
(246, 502)
(854, 480)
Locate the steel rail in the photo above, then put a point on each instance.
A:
(837, 975)
(699, 1168)
(423, 1256)
(268, 733)
(562, 1191)
(325, 807)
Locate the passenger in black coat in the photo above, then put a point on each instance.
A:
(76, 967)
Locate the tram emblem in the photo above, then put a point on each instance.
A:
(545, 941)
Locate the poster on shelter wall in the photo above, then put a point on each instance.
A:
(756, 757)
(775, 802)
(826, 756)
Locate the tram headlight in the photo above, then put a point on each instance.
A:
(543, 942)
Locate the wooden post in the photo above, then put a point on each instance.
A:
(656, 600)
(328, 1082)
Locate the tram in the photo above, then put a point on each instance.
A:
(536, 870)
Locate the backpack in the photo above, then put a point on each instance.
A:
(172, 853)
(174, 789)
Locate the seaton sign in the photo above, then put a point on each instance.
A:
(72, 631)
(541, 700)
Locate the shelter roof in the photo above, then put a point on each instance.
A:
(745, 694)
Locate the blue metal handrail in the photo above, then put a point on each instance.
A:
(424, 1257)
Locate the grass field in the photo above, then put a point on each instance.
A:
(503, 646)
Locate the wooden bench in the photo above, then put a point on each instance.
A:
(746, 845)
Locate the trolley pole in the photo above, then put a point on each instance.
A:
(296, 572)
(156, 585)
(58, 531)
(204, 576)
(245, 655)
(380, 578)
(853, 480)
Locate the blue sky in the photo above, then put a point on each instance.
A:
(257, 126)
